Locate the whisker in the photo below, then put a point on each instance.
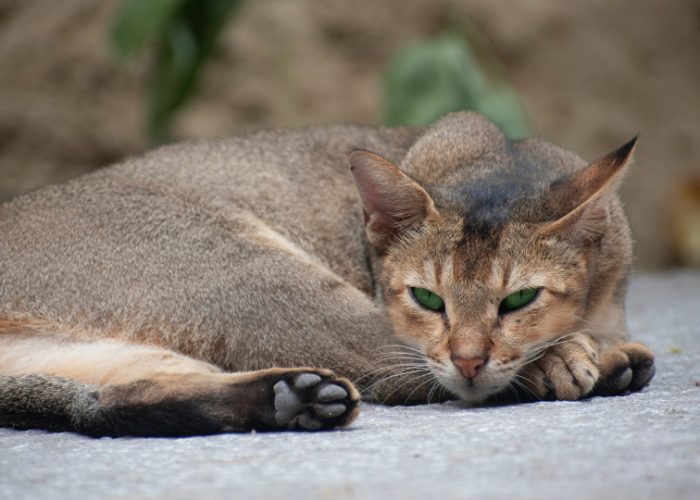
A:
(434, 390)
(430, 380)
(389, 369)
(525, 388)
(520, 376)
(400, 347)
(514, 391)
(391, 356)
(400, 386)
(385, 379)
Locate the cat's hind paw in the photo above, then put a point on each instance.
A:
(314, 400)
(627, 367)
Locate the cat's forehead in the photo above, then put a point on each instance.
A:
(448, 249)
(452, 254)
(493, 260)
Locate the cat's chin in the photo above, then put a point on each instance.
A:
(487, 384)
(476, 393)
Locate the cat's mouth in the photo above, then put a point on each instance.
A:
(489, 382)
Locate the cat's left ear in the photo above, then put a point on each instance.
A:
(580, 201)
(391, 200)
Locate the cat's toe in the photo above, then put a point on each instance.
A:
(561, 378)
(314, 401)
(625, 368)
(331, 392)
(307, 380)
(620, 380)
(567, 371)
(642, 365)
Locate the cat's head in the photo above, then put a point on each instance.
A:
(486, 246)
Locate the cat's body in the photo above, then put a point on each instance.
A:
(127, 296)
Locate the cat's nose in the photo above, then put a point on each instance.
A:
(469, 367)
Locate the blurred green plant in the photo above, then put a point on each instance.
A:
(182, 35)
(432, 77)
(425, 80)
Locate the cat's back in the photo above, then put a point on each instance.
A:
(177, 220)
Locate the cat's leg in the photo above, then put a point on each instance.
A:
(590, 364)
(289, 309)
(579, 367)
(111, 388)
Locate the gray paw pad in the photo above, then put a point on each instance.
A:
(642, 376)
(331, 392)
(330, 411)
(287, 403)
(308, 422)
(307, 380)
(311, 401)
(623, 380)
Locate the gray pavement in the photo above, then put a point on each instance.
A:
(645, 445)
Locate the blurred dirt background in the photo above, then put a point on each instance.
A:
(592, 73)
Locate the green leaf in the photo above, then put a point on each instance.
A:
(173, 76)
(430, 78)
(188, 40)
(140, 22)
(183, 34)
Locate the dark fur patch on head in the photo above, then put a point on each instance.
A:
(488, 206)
(480, 234)
(488, 198)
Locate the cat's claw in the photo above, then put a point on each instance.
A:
(314, 401)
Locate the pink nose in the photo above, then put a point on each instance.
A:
(469, 367)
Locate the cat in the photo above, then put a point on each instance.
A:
(259, 283)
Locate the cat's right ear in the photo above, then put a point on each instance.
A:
(579, 203)
(392, 201)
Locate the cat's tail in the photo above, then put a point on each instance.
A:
(50, 403)
(58, 404)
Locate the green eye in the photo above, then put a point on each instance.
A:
(518, 300)
(428, 299)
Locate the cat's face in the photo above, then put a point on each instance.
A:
(491, 267)
(477, 329)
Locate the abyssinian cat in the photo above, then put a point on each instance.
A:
(238, 284)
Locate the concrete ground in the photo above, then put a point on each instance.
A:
(644, 445)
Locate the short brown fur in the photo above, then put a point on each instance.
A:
(184, 288)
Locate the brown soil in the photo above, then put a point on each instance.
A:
(592, 73)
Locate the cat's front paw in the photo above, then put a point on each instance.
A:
(566, 371)
(577, 368)
(627, 367)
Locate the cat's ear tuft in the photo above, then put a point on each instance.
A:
(580, 201)
(392, 201)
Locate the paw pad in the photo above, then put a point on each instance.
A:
(626, 368)
(312, 402)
